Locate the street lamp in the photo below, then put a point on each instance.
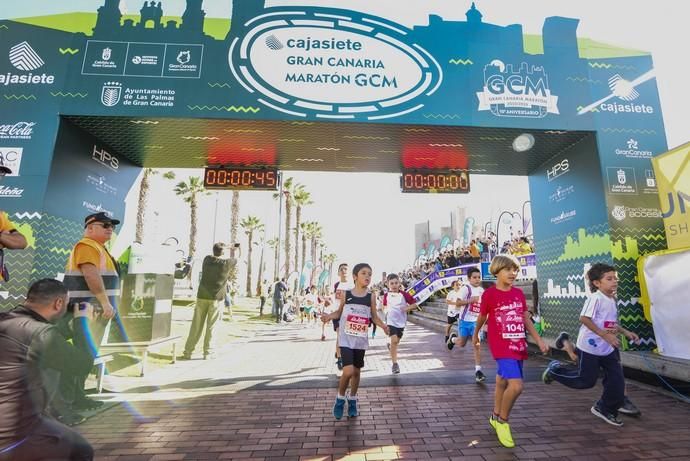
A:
(525, 225)
(512, 214)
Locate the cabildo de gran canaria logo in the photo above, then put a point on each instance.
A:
(522, 92)
(333, 64)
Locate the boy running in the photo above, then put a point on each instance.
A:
(357, 309)
(597, 344)
(505, 308)
(453, 312)
(397, 304)
(469, 298)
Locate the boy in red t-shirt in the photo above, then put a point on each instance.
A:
(505, 308)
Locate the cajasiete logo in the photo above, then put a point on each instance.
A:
(105, 158)
(622, 90)
(305, 63)
(522, 92)
(18, 130)
(24, 58)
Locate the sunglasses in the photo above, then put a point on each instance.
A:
(106, 225)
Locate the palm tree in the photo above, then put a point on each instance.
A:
(301, 199)
(189, 191)
(273, 245)
(305, 227)
(329, 259)
(141, 204)
(234, 222)
(288, 192)
(250, 224)
(316, 236)
(262, 245)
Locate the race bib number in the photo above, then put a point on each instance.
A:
(475, 308)
(513, 327)
(356, 325)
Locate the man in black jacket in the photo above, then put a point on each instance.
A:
(33, 354)
(209, 299)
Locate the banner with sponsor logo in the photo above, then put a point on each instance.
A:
(672, 172)
(438, 280)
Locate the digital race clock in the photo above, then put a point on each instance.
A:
(227, 177)
(427, 181)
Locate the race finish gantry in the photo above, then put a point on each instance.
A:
(326, 89)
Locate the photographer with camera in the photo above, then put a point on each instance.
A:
(91, 276)
(210, 296)
(33, 351)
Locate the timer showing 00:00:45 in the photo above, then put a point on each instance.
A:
(240, 178)
(431, 181)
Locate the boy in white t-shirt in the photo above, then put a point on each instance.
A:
(397, 304)
(597, 344)
(453, 311)
(469, 299)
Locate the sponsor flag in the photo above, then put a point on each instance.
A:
(672, 171)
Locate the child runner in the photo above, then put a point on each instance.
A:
(398, 304)
(340, 288)
(469, 298)
(311, 301)
(505, 308)
(598, 344)
(451, 300)
(356, 310)
(563, 342)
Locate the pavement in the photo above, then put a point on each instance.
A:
(269, 397)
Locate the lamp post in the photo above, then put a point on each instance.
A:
(525, 225)
(499, 242)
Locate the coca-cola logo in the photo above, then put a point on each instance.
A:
(19, 130)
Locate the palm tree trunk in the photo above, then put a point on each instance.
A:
(261, 269)
(192, 227)
(250, 237)
(304, 248)
(141, 205)
(298, 218)
(288, 212)
(234, 216)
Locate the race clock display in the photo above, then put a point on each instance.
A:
(427, 181)
(239, 178)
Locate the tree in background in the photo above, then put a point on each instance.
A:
(250, 224)
(189, 191)
(144, 188)
(234, 224)
(301, 199)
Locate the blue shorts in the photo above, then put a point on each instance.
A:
(466, 329)
(509, 368)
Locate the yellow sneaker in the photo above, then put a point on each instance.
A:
(504, 435)
(492, 421)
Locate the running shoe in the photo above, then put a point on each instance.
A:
(606, 416)
(449, 343)
(504, 435)
(339, 408)
(395, 369)
(546, 375)
(629, 408)
(492, 421)
(479, 377)
(352, 408)
(339, 363)
(563, 336)
(373, 334)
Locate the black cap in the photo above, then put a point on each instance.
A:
(100, 217)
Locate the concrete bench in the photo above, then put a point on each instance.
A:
(100, 362)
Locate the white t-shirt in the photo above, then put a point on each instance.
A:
(396, 304)
(604, 313)
(470, 312)
(339, 290)
(452, 296)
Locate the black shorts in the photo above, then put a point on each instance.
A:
(395, 331)
(336, 324)
(352, 357)
(452, 320)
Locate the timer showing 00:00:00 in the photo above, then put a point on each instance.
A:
(240, 178)
(430, 181)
